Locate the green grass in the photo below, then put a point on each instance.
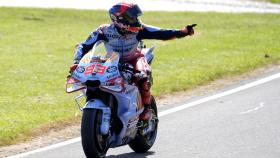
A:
(274, 1)
(37, 47)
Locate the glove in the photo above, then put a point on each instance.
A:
(73, 68)
(190, 29)
(187, 31)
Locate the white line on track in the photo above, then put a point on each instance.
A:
(252, 110)
(166, 112)
(71, 141)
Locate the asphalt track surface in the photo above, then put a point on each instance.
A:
(241, 121)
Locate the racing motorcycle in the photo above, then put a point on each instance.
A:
(113, 103)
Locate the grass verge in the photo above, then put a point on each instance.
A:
(37, 45)
(274, 1)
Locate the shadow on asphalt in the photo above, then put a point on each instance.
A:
(132, 155)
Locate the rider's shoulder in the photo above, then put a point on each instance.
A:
(102, 28)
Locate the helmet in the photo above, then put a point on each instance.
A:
(125, 17)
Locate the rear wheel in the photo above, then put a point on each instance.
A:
(143, 142)
(94, 144)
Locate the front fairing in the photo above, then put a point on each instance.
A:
(93, 68)
(100, 65)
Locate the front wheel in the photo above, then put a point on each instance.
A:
(143, 142)
(94, 144)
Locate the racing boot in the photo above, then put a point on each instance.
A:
(146, 100)
(145, 118)
(146, 115)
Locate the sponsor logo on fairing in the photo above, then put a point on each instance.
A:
(111, 69)
(112, 75)
(76, 75)
(81, 69)
(132, 122)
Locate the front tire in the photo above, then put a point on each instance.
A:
(142, 143)
(94, 144)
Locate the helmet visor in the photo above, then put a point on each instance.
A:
(132, 14)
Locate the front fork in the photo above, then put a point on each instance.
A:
(98, 104)
(106, 114)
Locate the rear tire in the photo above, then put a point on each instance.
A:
(94, 144)
(142, 143)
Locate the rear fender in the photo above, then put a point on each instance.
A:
(106, 114)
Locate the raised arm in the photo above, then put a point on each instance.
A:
(152, 32)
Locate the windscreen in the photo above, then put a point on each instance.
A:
(99, 53)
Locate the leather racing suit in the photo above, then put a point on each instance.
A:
(128, 45)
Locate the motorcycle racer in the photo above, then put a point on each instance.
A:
(124, 35)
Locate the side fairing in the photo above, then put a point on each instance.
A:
(129, 109)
